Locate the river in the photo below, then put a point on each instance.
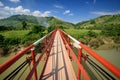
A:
(113, 56)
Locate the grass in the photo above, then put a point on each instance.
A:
(14, 33)
(77, 33)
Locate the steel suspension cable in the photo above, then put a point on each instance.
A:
(101, 70)
(15, 71)
(23, 72)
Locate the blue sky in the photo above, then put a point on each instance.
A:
(68, 10)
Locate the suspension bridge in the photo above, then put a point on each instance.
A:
(63, 58)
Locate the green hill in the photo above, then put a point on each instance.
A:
(100, 22)
(17, 20)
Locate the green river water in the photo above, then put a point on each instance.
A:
(113, 56)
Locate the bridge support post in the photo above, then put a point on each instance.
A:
(79, 58)
(33, 61)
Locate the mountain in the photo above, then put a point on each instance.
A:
(58, 22)
(100, 22)
(17, 20)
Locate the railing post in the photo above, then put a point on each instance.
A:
(79, 58)
(33, 61)
(46, 46)
(69, 45)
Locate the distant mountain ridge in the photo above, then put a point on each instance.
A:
(100, 22)
(16, 21)
(96, 23)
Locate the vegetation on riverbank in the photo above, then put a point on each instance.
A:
(99, 33)
(13, 40)
(96, 39)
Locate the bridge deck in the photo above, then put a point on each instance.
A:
(59, 66)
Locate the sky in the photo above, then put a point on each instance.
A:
(67, 10)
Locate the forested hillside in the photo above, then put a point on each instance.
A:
(17, 22)
(101, 22)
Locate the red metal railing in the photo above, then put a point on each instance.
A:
(48, 44)
(10, 62)
(103, 61)
(80, 67)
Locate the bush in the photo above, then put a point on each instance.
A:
(4, 51)
(113, 30)
(92, 33)
(51, 28)
(12, 41)
(94, 43)
(1, 38)
(117, 39)
(38, 29)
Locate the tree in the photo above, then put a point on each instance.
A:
(91, 33)
(24, 25)
(2, 28)
(1, 38)
(113, 30)
(51, 28)
(38, 29)
(92, 22)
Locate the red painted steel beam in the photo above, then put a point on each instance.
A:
(34, 68)
(8, 63)
(37, 62)
(79, 58)
(76, 59)
(33, 61)
(103, 61)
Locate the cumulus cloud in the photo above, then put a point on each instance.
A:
(40, 14)
(8, 11)
(36, 13)
(17, 10)
(66, 12)
(58, 6)
(1, 4)
(46, 13)
(15, 1)
(104, 13)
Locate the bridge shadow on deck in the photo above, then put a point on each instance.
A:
(55, 63)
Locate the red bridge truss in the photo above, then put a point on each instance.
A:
(62, 58)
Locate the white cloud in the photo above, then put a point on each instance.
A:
(1, 4)
(17, 10)
(58, 6)
(66, 12)
(38, 13)
(46, 13)
(8, 11)
(15, 1)
(105, 13)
